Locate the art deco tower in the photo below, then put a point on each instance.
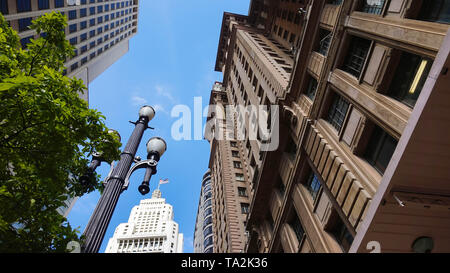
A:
(150, 229)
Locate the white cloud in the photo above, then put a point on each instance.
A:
(159, 107)
(138, 101)
(164, 92)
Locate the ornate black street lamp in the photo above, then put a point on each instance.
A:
(99, 221)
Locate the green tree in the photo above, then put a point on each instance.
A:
(46, 133)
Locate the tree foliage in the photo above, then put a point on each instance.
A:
(46, 131)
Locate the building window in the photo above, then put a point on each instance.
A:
(245, 208)
(310, 91)
(356, 56)
(84, 60)
(313, 185)
(337, 112)
(409, 79)
(240, 177)
(291, 149)
(375, 7)
(83, 12)
(72, 14)
(24, 23)
(43, 4)
(73, 41)
(4, 7)
(74, 66)
(23, 5)
(233, 144)
(237, 164)
(72, 28)
(297, 227)
(324, 41)
(340, 232)
(59, 3)
(242, 191)
(234, 153)
(207, 231)
(25, 41)
(435, 11)
(379, 149)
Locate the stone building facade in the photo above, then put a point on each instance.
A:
(359, 85)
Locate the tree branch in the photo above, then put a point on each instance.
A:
(5, 140)
(35, 56)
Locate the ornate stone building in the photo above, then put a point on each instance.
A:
(361, 162)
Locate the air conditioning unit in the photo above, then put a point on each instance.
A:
(73, 2)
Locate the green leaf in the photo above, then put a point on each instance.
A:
(6, 86)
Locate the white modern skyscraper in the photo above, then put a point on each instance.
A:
(150, 229)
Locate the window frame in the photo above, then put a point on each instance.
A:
(313, 190)
(381, 9)
(334, 100)
(375, 148)
(350, 43)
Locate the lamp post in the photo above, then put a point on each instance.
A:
(96, 161)
(99, 221)
(156, 147)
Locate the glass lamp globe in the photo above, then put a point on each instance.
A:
(156, 144)
(112, 131)
(147, 111)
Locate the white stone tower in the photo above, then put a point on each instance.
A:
(150, 229)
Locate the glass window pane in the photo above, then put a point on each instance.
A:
(410, 76)
(337, 112)
(356, 56)
(23, 5)
(435, 11)
(373, 6)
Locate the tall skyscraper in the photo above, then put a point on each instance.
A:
(203, 234)
(229, 179)
(362, 158)
(99, 29)
(150, 229)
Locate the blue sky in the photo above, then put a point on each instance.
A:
(170, 61)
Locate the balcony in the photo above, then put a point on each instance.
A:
(329, 15)
(338, 176)
(419, 33)
(315, 63)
